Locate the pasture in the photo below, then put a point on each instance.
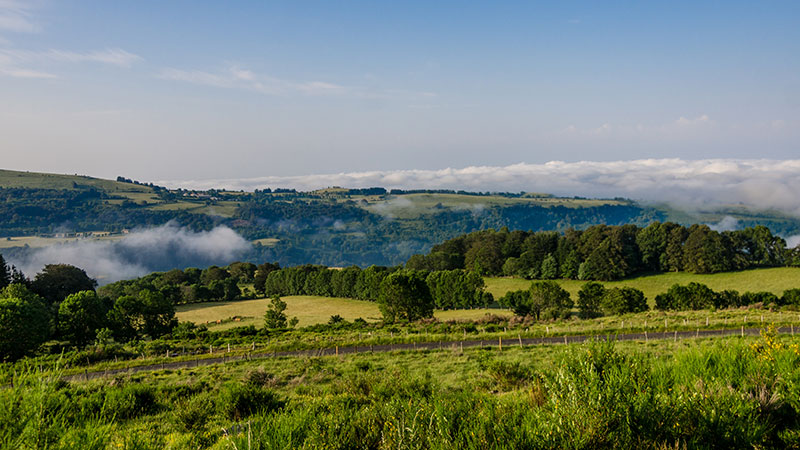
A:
(309, 310)
(775, 280)
(410, 206)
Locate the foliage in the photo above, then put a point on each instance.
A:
(148, 313)
(622, 301)
(56, 281)
(548, 300)
(275, 317)
(603, 252)
(589, 298)
(80, 315)
(24, 321)
(238, 401)
(405, 296)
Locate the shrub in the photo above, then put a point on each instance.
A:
(192, 415)
(791, 297)
(508, 375)
(589, 299)
(130, 401)
(237, 401)
(623, 300)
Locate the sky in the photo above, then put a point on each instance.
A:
(208, 90)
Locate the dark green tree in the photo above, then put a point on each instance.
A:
(623, 300)
(148, 313)
(24, 322)
(405, 296)
(80, 315)
(275, 317)
(5, 273)
(548, 300)
(705, 251)
(589, 298)
(549, 268)
(56, 281)
(517, 301)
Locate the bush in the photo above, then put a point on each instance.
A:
(192, 415)
(130, 401)
(589, 298)
(237, 401)
(791, 297)
(623, 300)
(508, 375)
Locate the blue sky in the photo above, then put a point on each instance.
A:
(199, 89)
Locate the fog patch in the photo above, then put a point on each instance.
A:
(727, 223)
(793, 241)
(140, 252)
(389, 208)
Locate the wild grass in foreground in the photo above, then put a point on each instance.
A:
(735, 393)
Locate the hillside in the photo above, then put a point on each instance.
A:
(335, 226)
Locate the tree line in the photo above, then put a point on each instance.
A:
(607, 252)
(546, 300)
(190, 285)
(448, 289)
(60, 303)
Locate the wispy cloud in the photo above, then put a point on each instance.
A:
(25, 64)
(17, 16)
(235, 77)
(760, 184)
(111, 56)
(682, 126)
(25, 73)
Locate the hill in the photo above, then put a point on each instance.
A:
(334, 226)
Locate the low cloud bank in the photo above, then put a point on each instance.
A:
(140, 252)
(761, 184)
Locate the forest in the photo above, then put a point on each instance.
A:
(604, 252)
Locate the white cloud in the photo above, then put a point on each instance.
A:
(141, 252)
(727, 223)
(761, 184)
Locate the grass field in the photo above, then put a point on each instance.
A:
(775, 280)
(266, 242)
(309, 310)
(13, 178)
(37, 242)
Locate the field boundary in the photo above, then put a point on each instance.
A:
(431, 345)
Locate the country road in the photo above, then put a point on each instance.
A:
(514, 342)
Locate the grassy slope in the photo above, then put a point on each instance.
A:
(774, 280)
(12, 178)
(409, 206)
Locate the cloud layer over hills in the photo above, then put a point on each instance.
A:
(763, 184)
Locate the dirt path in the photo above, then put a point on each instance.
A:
(419, 346)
